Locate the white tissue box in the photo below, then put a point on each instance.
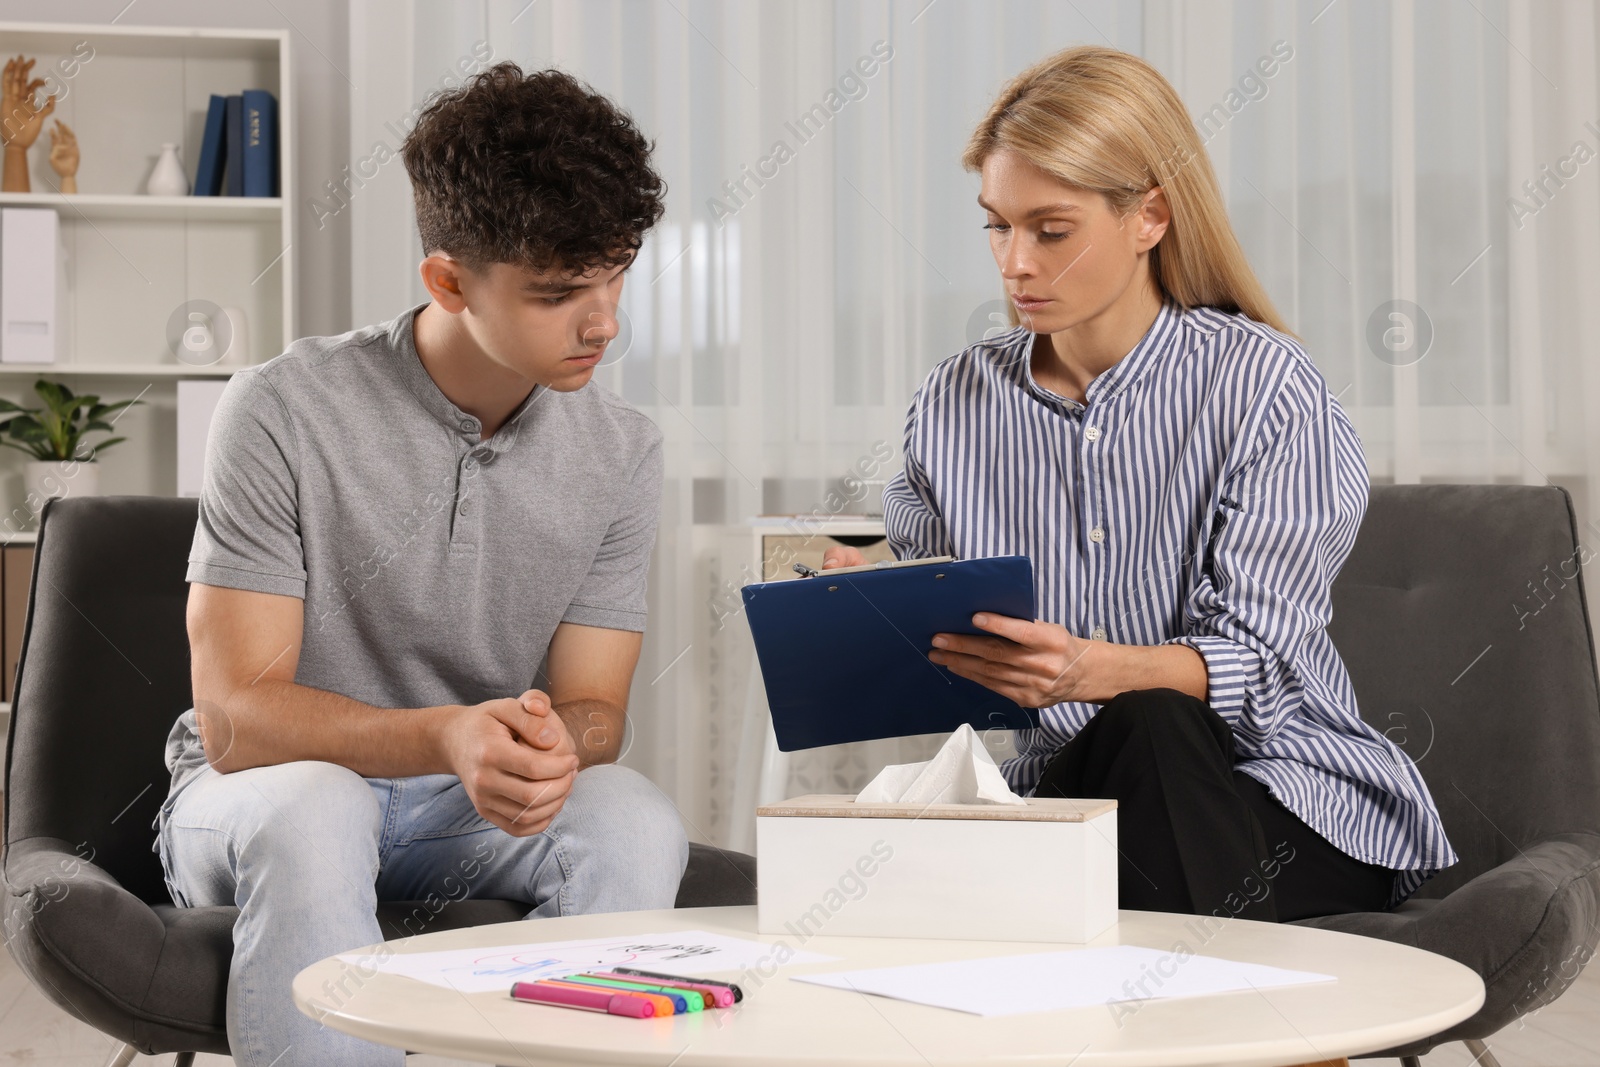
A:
(1044, 871)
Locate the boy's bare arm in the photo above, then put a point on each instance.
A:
(244, 650)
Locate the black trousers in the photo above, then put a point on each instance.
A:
(1195, 835)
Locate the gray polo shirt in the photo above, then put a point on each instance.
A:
(434, 566)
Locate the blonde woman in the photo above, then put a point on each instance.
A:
(1164, 450)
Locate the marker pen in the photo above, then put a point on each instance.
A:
(680, 998)
(664, 1004)
(716, 996)
(585, 999)
(694, 999)
(738, 994)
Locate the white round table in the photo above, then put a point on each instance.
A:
(1386, 994)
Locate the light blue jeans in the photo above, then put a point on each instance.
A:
(306, 850)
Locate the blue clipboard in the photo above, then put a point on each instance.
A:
(845, 656)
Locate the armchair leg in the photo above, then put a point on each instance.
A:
(1481, 1056)
(183, 1059)
(122, 1056)
(1410, 1061)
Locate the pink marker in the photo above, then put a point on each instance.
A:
(720, 996)
(567, 997)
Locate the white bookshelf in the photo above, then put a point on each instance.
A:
(116, 370)
(132, 259)
(91, 208)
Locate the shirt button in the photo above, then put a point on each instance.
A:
(468, 425)
(461, 508)
(1097, 535)
(1099, 633)
(1092, 433)
(483, 454)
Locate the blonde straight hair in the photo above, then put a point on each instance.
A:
(1099, 119)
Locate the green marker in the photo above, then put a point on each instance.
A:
(694, 1001)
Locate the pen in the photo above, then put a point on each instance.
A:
(715, 996)
(665, 1005)
(738, 994)
(587, 1000)
(693, 1000)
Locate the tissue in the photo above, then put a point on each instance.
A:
(962, 772)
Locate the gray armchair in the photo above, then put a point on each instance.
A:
(1461, 616)
(104, 672)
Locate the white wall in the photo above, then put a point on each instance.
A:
(319, 54)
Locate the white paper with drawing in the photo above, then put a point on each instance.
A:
(495, 968)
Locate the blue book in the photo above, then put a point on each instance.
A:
(844, 653)
(260, 143)
(233, 137)
(208, 175)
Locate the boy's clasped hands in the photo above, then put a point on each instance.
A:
(517, 760)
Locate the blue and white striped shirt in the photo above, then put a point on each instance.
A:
(1206, 493)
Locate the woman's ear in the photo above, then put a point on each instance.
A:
(1152, 216)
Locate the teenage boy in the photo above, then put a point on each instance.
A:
(418, 580)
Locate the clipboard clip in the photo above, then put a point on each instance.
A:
(881, 565)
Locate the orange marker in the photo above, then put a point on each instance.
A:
(663, 1005)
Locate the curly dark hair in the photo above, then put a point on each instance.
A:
(535, 169)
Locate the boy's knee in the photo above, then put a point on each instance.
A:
(305, 802)
(292, 834)
(627, 815)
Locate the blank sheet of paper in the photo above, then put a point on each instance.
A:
(1051, 981)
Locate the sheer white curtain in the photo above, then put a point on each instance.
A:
(822, 251)
(1389, 160)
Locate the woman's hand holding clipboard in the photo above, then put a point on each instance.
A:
(1035, 663)
(844, 651)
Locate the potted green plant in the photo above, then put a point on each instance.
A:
(54, 435)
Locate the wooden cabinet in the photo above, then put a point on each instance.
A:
(784, 540)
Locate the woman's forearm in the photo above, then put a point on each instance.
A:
(1113, 669)
(1040, 664)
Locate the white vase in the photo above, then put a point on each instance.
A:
(46, 478)
(168, 179)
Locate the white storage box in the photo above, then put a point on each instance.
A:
(988, 872)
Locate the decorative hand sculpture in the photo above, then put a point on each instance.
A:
(64, 155)
(20, 122)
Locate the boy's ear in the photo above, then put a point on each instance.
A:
(442, 277)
